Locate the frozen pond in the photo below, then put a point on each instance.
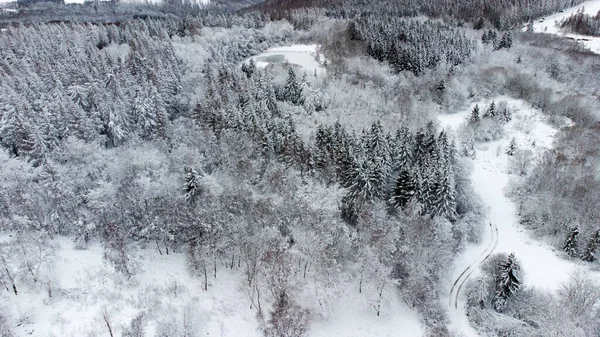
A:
(306, 57)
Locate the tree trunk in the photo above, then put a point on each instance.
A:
(107, 322)
(215, 264)
(205, 275)
(362, 271)
(379, 302)
(10, 278)
(158, 247)
(258, 299)
(305, 267)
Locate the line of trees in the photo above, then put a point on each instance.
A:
(581, 23)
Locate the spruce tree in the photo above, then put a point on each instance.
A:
(484, 38)
(405, 189)
(190, 186)
(592, 247)
(506, 115)
(419, 150)
(507, 282)
(404, 143)
(512, 147)
(508, 42)
(475, 115)
(249, 68)
(571, 245)
(444, 196)
(292, 92)
(491, 111)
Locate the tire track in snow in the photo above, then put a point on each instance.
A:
(464, 276)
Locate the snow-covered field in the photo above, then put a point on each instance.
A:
(307, 57)
(549, 24)
(84, 287)
(544, 267)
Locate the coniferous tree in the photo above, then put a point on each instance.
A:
(475, 115)
(190, 186)
(592, 247)
(512, 147)
(292, 91)
(491, 111)
(403, 142)
(478, 24)
(444, 195)
(405, 189)
(507, 282)
(505, 41)
(571, 245)
(249, 68)
(506, 115)
(484, 38)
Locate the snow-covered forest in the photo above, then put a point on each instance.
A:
(324, 168)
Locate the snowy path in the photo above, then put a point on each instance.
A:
(464, 276)
(542, 267)
(548, 24)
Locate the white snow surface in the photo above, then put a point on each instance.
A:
(83, 285)
(549, 24)
(544, 268)
(307, 56)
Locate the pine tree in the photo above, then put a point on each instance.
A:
(404, 149)
(571, 245)
(249, 68)
(478, 24)
(405, 189)
(292, 92)
(441, 87)
(475, 115)
(506, 115)
(491, 111)
(484, 38)
(190, 187)
(419, 150)
(444, 196)
(592, 247)
(512, 147)
(508, 42)
(507, 282)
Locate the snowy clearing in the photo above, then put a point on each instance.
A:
(549, 24)
(307, 57)
(84, 286)
(543, 267)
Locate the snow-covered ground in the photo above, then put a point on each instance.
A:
(83, 287)
(549, 24)
(307, 57)
(543, 267)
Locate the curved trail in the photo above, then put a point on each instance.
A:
(464, 276)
